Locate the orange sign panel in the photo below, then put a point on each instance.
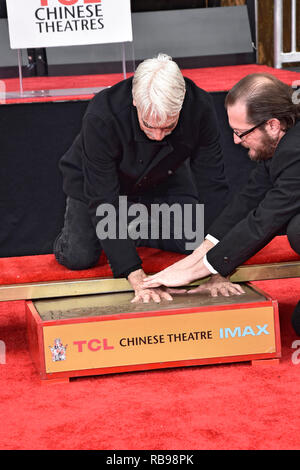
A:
(159, 338)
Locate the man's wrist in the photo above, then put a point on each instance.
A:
(212, 239)
(135, 278)
(205, 246)
(199, 270)
(131, 270)
(209, 266)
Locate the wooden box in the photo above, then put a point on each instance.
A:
(103, 334)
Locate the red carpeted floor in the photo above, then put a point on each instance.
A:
(41, 268)
(233, 406)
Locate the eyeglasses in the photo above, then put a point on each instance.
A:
(243, 134)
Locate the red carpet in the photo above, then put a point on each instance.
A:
(39, 268)
(234, 406)
(210, 79)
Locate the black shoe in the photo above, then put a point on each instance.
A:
(296, 319)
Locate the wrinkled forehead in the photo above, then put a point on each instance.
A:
(156, 121)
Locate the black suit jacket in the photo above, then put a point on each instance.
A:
(112, 156)
(265, 206)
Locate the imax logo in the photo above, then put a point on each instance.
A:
(243, 331)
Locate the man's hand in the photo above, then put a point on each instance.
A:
(179, 274)
(152, 294)
(218, 285)
(184, 271)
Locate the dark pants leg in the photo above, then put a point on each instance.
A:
(293, 233)
(77, 246)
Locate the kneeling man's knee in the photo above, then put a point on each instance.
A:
(76, 263)
(75, 259)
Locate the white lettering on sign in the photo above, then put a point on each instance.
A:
(240, 332)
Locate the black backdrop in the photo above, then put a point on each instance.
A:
(3, 12)
(33, 138)
(156, 5)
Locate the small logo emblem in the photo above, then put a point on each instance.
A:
(58, 351)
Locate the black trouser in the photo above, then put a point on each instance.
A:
(293, 233)
(78, 247)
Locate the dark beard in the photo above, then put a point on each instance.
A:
(267, 149)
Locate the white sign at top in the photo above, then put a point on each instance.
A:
(51, 23)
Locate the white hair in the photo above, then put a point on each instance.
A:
(158, 88)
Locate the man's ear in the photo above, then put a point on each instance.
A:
(133, 102)
(274, 125)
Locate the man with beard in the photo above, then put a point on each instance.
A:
(265, 119)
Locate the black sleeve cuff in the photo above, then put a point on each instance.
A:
(130, 270)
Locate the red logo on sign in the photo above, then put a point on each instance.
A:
(44, 3)
(93, 345)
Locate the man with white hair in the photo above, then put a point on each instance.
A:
(153, 138)
(265, 118)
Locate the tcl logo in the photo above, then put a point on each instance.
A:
(44, 3)
(93, 345)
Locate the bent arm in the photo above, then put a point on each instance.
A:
(101, 187)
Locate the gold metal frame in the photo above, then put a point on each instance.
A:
(261, 272)
(52, 289)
